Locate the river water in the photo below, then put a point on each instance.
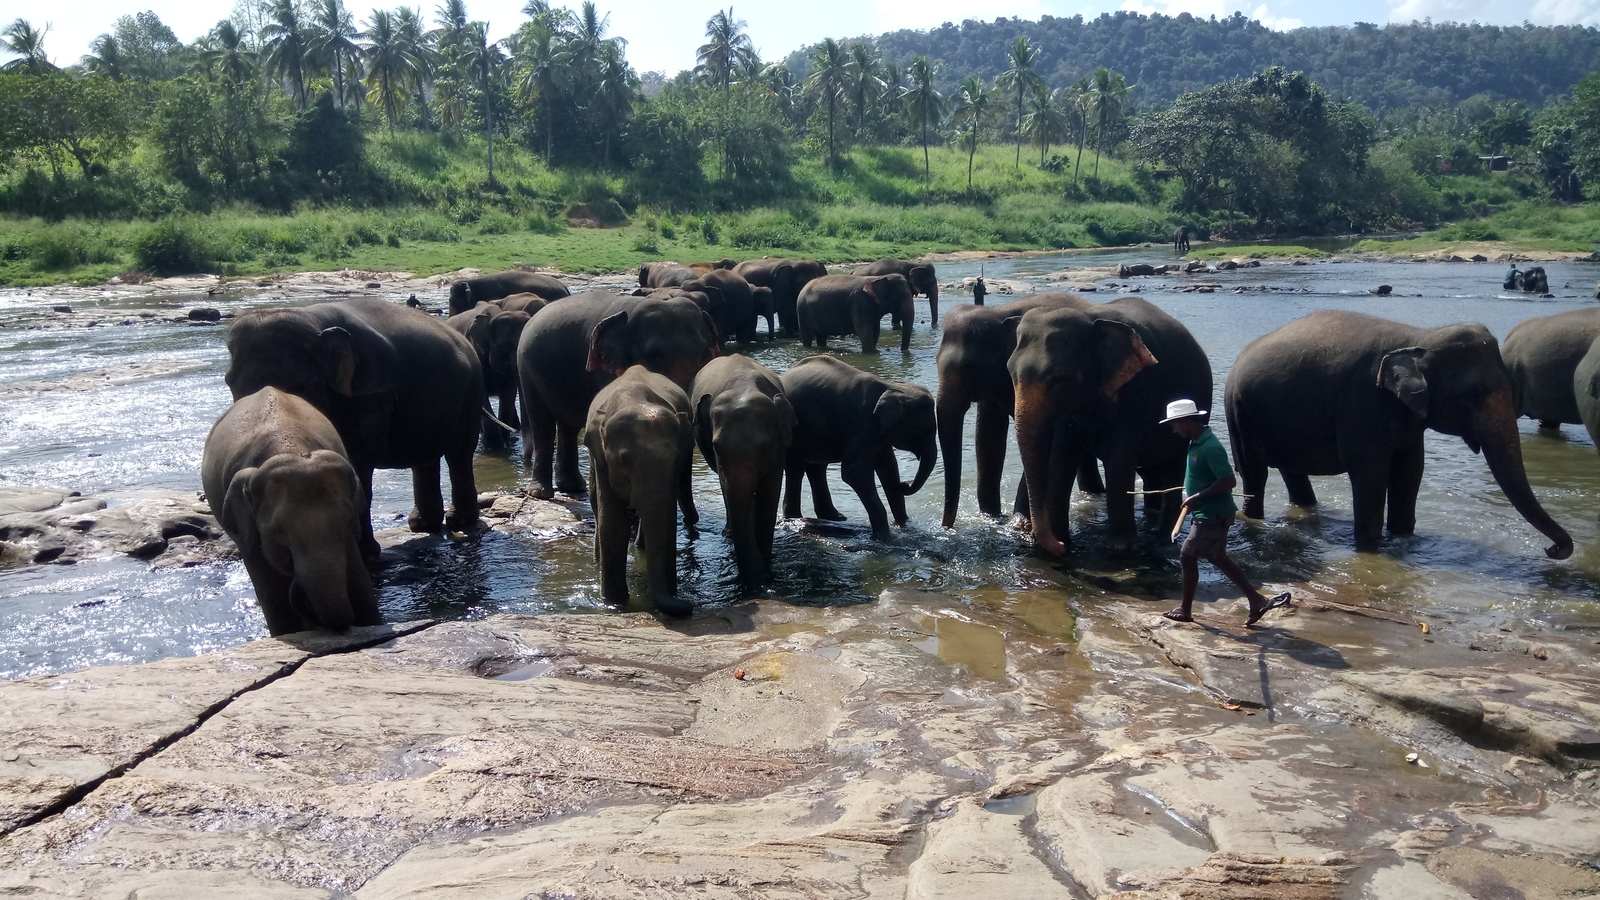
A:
(1472, 556)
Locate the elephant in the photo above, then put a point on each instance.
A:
(469, 291)
(732, 305)
(1532, 281)
(841, 304)
(1180, 240)
(279, 482)
(857, 419)
(527, 303)
(1340, 392)
(573, 348)
(1541, 355)
(1092, 384)
(402, 388)
(972, 358)
(640, 446)
(701, 268)
(920, 276)
(743, 426)
(764, 306)
(664, 273)
(1586, 387)
(493, 335)
(786, 277)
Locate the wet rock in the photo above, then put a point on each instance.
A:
(1383, 290)
(55, 526)
(61, 309)
(1135, 270)
(1478, 257)
(1226, 265)
(977, 853)
(1195, 266)
(205, 314)
(1487, 874)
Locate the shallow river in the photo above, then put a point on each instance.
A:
(1471, 554)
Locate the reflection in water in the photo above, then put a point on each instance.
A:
(1471, 554)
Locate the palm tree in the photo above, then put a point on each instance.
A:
(390, 65)
(21, 38)
(1021, 78)
(452, 18)
(234, 59)
(1046, 121)
(542, 68)
(894, 87)
(865, 82)
(413, 40)
(977, 104)
(332, 43)
(284, 41)
(830, 73)
(782, 86)
(727, 48)
(483, 58)
(614, 93)
(105, 58)
(1106, 96)
(1078, 106)
(924, 105)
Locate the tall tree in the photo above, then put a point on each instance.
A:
(105, 58)
(484, 59)
(830, 73)
(727, 47)
(866, 80)
(977, 104)
(234, 57)
(283, 40)
(1022, 79)
(540, 58)
(1046, 122)
(27, 42)
(391, 67)
(1108, 90)
(415, 42)
(1079, 104)
(614, 95)
(333, 45)
(924, 105)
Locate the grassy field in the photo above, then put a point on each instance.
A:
(1286, 251)
(1529, 227)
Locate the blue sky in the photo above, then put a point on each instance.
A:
(663, 34)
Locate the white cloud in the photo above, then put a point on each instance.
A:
(1489, 12)
(1205, 9)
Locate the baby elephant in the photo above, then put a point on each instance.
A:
(640, 445)
(856, 419)
(845, 304)
(743, 426)
(279, 481)
(493, 335)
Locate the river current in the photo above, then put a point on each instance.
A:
(1471, 556)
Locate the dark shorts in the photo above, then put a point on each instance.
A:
(1208, 538)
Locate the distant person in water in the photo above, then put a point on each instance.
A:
(978, 291)
(1511, 278)
(1208, 484)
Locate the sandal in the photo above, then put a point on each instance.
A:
(1277, 602)
(1177, 615)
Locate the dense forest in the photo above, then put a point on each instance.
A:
(1017, 134)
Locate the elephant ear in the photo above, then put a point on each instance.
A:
(237, 513)
(889, 410)
(478, 331)
(871, 288)
(921, 275)
(1122, 354)
(1400, 373)
(605, 345)
(784, 278)
(338, 354)
(702, 430)
(787, 420)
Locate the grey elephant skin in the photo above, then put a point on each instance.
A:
(528, 303)
(1586, 388)
(576, 346)
(467, 292)
(402, 389)
(921, 276)
(744, 425)
(494, 334)
(854, 304)
(973, 351)
(1541, 354)
(785, 276)
(640, 446)
(732, 304)
(1340, 392)
(1094, 384)
(665, 273)
(278, 479)
(1180, 240)
(1532, 281)
(847, 416)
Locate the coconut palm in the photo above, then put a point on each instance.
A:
(1079, 105)
(283, 40)
(1021, 79)
(414, 41)
(726, 49)
(451, 16)
(27, 42)
(924, 105)
(829, 76)
(105, 58)
(1047, 121)
(333, 44)
(976, 104)
(484, 59)
(234, 58)
(865, 80)
(1107, 93)
(542, 68)
(391, 67)
(781, 85)
(614, 93)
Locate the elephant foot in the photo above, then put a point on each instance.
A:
(421, 524)
(674, 606)
(1122, 545)
(541, 491)
(466, 524)
(371, 553)
(831, 515)
(571, 487)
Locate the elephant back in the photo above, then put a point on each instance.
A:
(1541, 355)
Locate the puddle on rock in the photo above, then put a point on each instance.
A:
(979, 648)
(537, 669)
(1015, 805)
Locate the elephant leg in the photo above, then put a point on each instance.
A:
(1405, 480)
(1122, 535)
(1019, 507)
(508, 405)
(1301, 493)
(370, 550)
(1253, 480)
(860, 475)
(1368, 485)
(792, 470)
(539, 441)
(658, 540)
(888, 469)
(990, 450)
(691, 516)
(766, 513)
(821, 498)
(494, 437)
(1067, 453)
(358, 587)
(427, 511)
(569, 479)
(1089, 476)
(272, 595)
(463, 486)
(611, 526)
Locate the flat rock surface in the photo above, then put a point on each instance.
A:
(923, 746)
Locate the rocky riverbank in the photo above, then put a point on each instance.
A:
(1062, 742)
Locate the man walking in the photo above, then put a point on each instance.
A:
(1208, 484)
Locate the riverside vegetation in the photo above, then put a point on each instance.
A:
(287, 138)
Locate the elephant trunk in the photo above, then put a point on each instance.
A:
(320, 590)
(1494, 427)
(953, 406)
(906, 310)
(927, 455)
(739, 487)
(1035, 428)
(933, 302)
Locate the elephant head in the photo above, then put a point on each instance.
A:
(892, 295)
(907, 420)
(460, 297)
(924, 281)
(1066, 363)
(1461, 387)
(300, 513)
(672, 337)
(504, 332)
(288, 350)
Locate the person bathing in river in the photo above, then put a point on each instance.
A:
(1208, 484)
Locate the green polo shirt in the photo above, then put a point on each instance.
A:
(1208, 462)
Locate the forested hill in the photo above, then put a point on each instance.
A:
(1164, 56)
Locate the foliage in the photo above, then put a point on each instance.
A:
(56, 118)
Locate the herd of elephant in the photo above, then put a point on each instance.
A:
(326, 393)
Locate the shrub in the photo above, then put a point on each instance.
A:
(173, 246)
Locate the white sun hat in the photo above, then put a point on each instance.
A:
(1182, 409)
